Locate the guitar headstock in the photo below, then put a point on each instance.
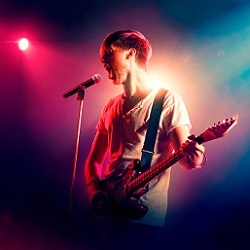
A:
(217, 130)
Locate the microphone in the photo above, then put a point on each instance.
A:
(93, 80)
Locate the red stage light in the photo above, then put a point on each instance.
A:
(23, 44)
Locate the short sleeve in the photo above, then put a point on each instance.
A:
(176, 113)
(101, 122)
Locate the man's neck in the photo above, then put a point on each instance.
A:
(137, 86)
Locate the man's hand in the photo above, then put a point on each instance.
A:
(98, 199)
(194, 153)
(100, 202)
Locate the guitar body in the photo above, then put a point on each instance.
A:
(125, 205)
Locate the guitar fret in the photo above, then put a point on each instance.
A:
(154, 171)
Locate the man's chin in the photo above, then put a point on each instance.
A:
(115, 82)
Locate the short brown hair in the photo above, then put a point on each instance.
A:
(127, 39)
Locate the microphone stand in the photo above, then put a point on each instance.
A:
(80, 98)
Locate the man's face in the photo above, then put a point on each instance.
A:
(116, 63)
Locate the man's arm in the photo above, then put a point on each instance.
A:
(194, 151)
(95, 158)
(93, 168)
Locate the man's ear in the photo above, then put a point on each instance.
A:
(131, 52)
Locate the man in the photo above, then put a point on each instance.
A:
(122, 127)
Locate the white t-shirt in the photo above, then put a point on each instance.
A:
(126, 134)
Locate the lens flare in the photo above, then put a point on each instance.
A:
(23, 44)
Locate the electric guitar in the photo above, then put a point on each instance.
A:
(126, 190)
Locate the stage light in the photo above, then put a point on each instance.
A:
(23, 44)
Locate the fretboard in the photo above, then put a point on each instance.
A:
(154, 171)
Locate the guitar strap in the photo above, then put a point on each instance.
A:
(149, 143)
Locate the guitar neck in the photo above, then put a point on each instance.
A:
(217, 130)
(154, 171)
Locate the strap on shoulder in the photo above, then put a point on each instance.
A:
(153, 124)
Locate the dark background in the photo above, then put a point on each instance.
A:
(200, 49)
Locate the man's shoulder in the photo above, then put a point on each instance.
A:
(166, 93)
(170, 93)
(112, 102)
